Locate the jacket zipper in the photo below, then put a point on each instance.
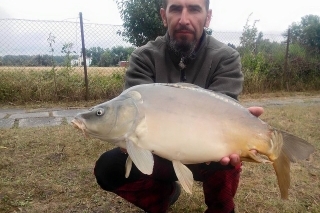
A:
(183, 76)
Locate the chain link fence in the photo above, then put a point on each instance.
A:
(43, 60)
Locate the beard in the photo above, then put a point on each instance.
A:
(183, 47)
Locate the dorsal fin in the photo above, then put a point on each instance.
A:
(181, 85)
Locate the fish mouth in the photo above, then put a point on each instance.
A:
(78, 124)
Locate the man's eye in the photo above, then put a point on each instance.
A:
(195, 9)
(175, 9)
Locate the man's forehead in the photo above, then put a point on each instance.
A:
(187, 2)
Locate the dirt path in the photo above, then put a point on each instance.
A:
(299, 100)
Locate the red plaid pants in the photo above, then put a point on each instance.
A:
(151, 192)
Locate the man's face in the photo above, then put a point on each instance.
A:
(185, 20)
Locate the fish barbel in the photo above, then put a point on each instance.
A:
(188, 125)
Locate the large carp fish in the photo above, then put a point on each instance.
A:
(188, 125)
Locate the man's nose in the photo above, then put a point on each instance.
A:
(184, 18)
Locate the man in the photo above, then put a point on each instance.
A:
(184, 54)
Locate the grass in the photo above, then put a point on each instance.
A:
(42, 84)
(51, 170)
(100, 70)
(19, 85)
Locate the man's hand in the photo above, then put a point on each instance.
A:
(256, 111)
(234, 159)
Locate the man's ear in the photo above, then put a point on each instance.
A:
(163, 17)
(208, 19)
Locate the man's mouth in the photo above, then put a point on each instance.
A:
(184, 32)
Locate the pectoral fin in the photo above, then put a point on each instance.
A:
(142, 158)
(128, 166)
(184, 175)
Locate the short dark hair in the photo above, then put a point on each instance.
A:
(165, 3)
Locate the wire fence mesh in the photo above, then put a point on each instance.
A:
(43, 60)
(36, 51)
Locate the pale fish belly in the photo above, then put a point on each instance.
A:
(193, 126)
(189, 139)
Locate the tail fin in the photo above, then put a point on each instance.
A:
(282, 167)
(293, 149)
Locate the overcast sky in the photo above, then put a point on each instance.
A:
(274, 15)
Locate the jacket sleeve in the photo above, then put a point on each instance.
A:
(227, 77)
(140, 70)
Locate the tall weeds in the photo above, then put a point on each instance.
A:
(62, 85)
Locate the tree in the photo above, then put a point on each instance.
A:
(307, 33)
(106, 59)
(95, 54)
(249, 36)
(120, 53)
(142, 21)
(67, 50)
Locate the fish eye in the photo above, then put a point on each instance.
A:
(100, 112)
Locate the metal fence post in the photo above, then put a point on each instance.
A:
(84, 56)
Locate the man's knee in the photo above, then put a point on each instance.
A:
(109, 169)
